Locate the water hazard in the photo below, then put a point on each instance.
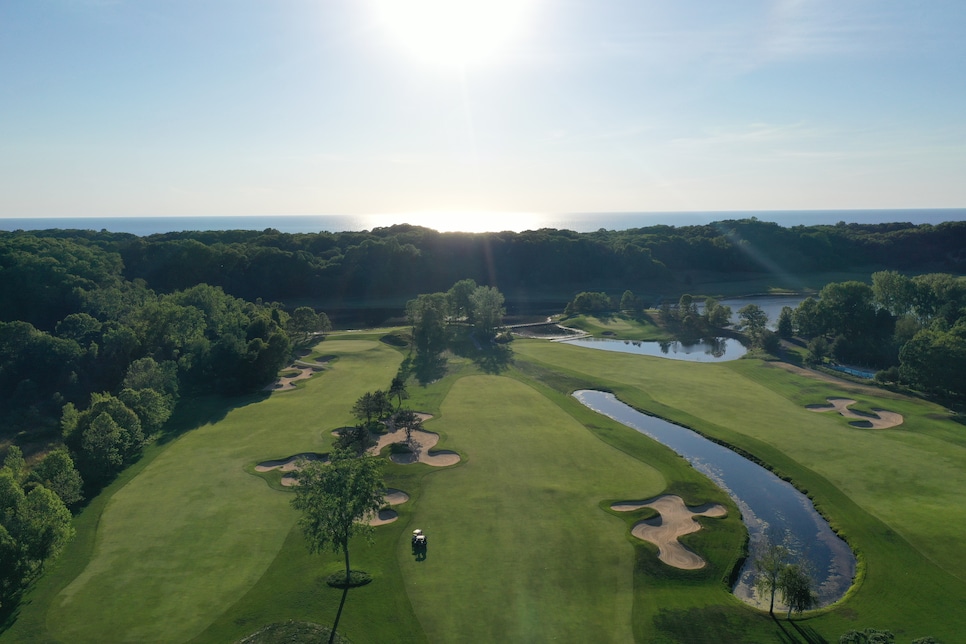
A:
(708, 350)
(766, 502)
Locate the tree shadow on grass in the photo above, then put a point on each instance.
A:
(797, 634)
(495, 358)
(194, 412)
(429, 368)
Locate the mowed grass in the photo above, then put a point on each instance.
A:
(618, 326)
(520, 549)
(186, 538)
(893, 493)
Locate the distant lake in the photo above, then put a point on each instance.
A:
(772, 305)
(708, 350)
(477, 222)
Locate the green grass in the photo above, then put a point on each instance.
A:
(188, 546)
(892, 493)
(618, 326)
(195, 523)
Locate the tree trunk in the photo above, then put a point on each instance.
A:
(345, 549)
(771, 608)
(345, 591)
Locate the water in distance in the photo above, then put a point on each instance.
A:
(767, 503)
(706, 350)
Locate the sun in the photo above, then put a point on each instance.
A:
(453, 32)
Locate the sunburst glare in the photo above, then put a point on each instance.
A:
(466, 221)
(453, 32)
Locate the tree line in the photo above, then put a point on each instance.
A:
(911, 329)
(399, 262)
(92, 365)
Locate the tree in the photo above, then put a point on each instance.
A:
(588, 302)
(786, 328)
(847, 308)
(753, 321)
(152, 407)
(716, 314)
(818, 350)
(893, 291)
(335, 500)
(409, 421)
(398, 389)
(769, 563)
(868, 636)
(58, 474)
(34, 526)
(809, 318)
(14, 462)
(427, 315)
(458, 299)
(486, 302)
(795, 584)
(933, 361)
(305, 322)
(630, 302)
(355, 439)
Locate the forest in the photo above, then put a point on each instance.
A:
(102, 333)
(394, 264)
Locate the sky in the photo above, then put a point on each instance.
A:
(259, 107)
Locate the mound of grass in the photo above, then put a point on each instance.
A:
(618, 326)
(356, 578)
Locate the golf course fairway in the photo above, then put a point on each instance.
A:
(192, 544)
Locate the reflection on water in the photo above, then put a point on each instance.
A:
(767, 503)
(705, 350)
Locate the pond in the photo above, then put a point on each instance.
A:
(766, 502)
(707, 350)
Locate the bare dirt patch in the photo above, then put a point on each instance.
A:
(881, 419)
(676, 520)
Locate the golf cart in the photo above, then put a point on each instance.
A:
(419, 540)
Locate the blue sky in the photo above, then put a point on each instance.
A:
(245, 107)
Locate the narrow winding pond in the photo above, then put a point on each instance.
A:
(766, 502)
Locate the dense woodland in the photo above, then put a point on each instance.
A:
(395, 264)
(101, 333)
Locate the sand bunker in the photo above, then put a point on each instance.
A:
(305, 371)
(422, 443)
(393, 497)
(289, 466)
(675, 520)
(881, 419)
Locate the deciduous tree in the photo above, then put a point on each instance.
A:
(335, 500)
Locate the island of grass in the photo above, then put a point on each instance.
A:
(524, 545)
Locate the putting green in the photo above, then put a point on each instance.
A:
(517, 528)
(194, 531)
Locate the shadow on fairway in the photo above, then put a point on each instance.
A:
(798, 634)
(196, 412)
(494, 359)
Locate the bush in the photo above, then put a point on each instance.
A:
(356, 578)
